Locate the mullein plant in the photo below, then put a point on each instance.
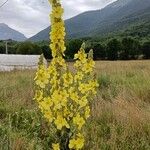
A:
(65, 97)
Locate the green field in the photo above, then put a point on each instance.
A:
(120, 117)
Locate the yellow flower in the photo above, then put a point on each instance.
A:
(72, 143)
(92, 86)
(87, 112)
(58, 11)
(79, 143)
(67, 79)
(38, 95)
(48, 115)
(61, 122)
(76, 143)
(74, 96)
(48, 101)
(83, 101)
(83, 88)
(88, 67)
(78, 120)
(79, 76)
(56, 146)
(77, 64)
(81, 56)
(42, 77)
(59, 99)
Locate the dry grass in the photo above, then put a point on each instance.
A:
(120, 113)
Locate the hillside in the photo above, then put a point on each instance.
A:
(8, 33)
(117, 17)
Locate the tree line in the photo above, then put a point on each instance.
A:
(115, 49)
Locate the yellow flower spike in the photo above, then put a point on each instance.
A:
(63, 96)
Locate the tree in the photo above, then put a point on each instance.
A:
(2, 48)
(146, 50)
(99, 51)
(28, 48)
(46, 51)
(130, 49)
(72, 47)
(113, 48)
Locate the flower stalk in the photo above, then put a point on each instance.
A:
(64, 96)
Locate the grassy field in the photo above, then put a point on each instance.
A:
(120, 117)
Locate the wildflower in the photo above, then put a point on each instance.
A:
(62, 95)
(83, 88)
(38, 95)
(42, 77)
(49, 116)
(56, 146)
(79, 76)
(72, 143)
(79, 143)
(83, 101)
(60, 122)
(76, 143)
(68, 79)
(74, 96)
(88, 67)
(87, 112)
(58, 11)
(78, 120)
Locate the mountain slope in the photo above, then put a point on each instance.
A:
(8, 33)
(115, 17)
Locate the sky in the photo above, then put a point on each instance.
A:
(31, 16)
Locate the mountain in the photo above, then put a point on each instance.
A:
(8, 33)
(121, 16)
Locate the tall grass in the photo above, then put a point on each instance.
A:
(120, 113)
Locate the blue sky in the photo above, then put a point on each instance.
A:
(32, 16)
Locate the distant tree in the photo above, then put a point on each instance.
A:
(2, 48)
(28, 48)
(72, 47)
(113, 48)
(146, 50)
(46, 51)
(12, 47)
(36, 50)
(130, 49)
(99, 51)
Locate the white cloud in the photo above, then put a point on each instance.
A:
(31, 16)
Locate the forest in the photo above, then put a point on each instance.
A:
(125, 48)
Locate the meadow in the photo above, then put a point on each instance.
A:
(120, 118)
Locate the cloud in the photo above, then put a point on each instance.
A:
(31, 16)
